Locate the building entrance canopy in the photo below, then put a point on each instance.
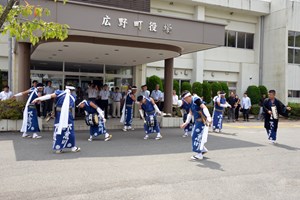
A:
(123, 37)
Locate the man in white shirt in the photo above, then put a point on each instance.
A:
(145, 92)
(5, 94)
(175, 98)
(246, 106)
(157, 96)
(104, 95)
(92, 93)
(116, 97)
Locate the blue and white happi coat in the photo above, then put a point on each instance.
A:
(200, 131)
(186, 109)
(65, 138)
(95, 130)
(149, 109)
(30, 118)
(128, 110)
(218, 113)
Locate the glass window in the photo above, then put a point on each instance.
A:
(231, 39)
(297, 56)
(291, 38)
(291, 55)
(297, 39)
(290, 93)
(249, 41)
(241, 40)
(225, 42)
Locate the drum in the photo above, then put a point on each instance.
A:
(92, 119)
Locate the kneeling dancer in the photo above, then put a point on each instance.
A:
(64, 136)
(202, 119)
(150, 120)
(95, 119)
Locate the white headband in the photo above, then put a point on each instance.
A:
(187, 94)
(70, 87)
(84, 101)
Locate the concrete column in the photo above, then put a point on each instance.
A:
(168, 87)
(23, 65)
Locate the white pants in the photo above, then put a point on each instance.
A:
(116, 108)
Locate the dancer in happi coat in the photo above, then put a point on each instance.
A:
(95, 119)
(127, 113)
(202, 120)
(64, 135)
(219, 105)
(151, 125)
(30, 117)
(272, 109)
(185, 109)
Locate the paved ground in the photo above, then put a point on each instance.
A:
(240, 165)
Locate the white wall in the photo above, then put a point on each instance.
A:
(3, 52)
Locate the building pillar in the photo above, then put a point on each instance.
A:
(23, 66)
(168, 87)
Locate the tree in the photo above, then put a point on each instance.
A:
(25, 22)
(215, 87)
(197, 89)
(253, 93)
(186, 86)
(225, 88)
(206, 92)
(152, 81)
(176, 86)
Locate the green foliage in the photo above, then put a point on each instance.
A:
(176, 86)
(206, 92)
(1, 86)
(210, 109)
(225, 88)
(295, 112)
(254, 94)
(25, 22)
(11, 109)
(152, 81)
(255, 109)
(215, 87)
(263, 90)
(186, 86)
(197, 89)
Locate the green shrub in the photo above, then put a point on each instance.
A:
(152, 81)
(1, 86)
(186, 86)
(255, 109)
(215, 87)
(11, 109)
(295, 112)
(176, 86)
(210, 109)
(263, 90)
(254, 94)
(206, 92)
(197, 89)
(225, 88)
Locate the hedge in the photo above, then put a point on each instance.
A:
(197, 89)
(295, 112)
(215, 87)
(11, 109)
(176, 86)
(255, 109)
(206, 92)
(152, 81)
(254, 94)
(225, 88)
(263, 90)
(186, 86)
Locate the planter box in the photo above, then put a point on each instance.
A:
(170, 122)
(15, 125)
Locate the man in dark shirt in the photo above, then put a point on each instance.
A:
(231, 111)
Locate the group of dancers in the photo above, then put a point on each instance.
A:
(192, 107)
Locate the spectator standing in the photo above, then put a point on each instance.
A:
(116, 98)
(5, 94)
(48, 104)
(231, 111)
(238, 106)
(145, 92)
(157, 96)
(175, 98)
(92, 93)
(246, 106)
(104, 95)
